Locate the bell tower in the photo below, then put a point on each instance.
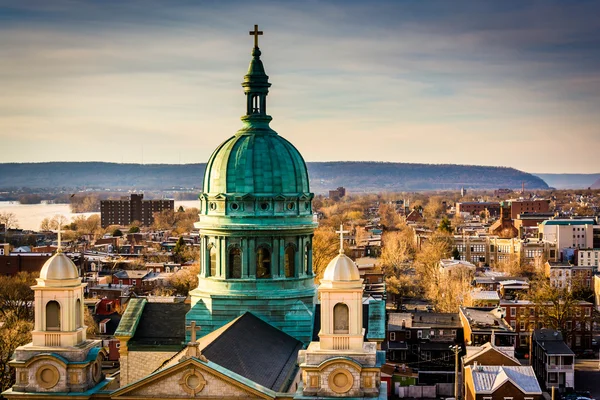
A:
(341, 364)
(60, 358)
(59, 304)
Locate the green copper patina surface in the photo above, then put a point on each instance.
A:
(256, 226)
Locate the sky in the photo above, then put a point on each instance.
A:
(509, 83)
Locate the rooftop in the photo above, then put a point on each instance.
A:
(485, 318)
(488, 378)
(485, 295)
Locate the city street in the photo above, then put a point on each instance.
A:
(587, 377)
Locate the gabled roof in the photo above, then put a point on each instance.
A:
(488, 348)
(161, 325)
(204, 366)
(489, 378)
(257, 351)
(131, 318)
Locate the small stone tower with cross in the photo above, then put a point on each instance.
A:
(59, 358)
(341, 364)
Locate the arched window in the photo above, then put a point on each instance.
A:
(340, 318)
(78, 314)
(290, 262)
(213, 260)
(235, 263)
(52, 316)
(263, 263)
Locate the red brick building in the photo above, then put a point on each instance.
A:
(524, 316)
(521, 206)
(476, 207)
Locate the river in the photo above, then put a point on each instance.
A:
(30, 216)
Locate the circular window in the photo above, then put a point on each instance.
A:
(97, 370)
(193, 382)
(47, 376)
(291, 206)
(212, 205)
(264, 206)
(235, 206)
(341, 380)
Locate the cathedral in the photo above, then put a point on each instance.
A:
(253, 327)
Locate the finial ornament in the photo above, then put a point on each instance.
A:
(193, 329)
(59, 249)
(255, 33)
(341, 232)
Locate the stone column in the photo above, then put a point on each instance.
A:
(275, 258)
(282, 257)
(252, 258)
(222, 264)
(245, 258)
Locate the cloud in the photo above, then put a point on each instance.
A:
(483, 83)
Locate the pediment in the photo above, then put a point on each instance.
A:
(220, 196)
(248, 196)
(194, 378)
(280, 197)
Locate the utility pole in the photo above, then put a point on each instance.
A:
(456, 349)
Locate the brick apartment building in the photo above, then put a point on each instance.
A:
(126, 210)
(521, 206)
(476, 207)
(523, 317)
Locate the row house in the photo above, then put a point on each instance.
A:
(552, 360)
(490, 250)
(588, 258)
(501, 382)
(424, 339)
(483, 325)
(131, 278)
(524, 317)
(567, 276)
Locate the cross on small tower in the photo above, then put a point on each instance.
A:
(193, 328)
(341, 232)
(255, 33)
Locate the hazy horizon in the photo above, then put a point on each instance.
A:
(309, 161)
(469, 83)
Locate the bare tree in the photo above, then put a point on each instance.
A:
(9, 220)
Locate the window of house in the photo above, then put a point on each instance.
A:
(392, 336)
(588, 311)
(419, 334)
(552, 377)
(118, 345)
(133, 281)
(522, 325)
(102, 327)
(577, 341)
(408, 334)
(513, 311)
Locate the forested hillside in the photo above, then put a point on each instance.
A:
(355, 176)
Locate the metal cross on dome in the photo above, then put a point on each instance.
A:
(255, 33)
(341, 232)
(193, 328)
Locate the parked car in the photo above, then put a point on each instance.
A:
(588, 353)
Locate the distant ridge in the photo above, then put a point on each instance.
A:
(355, 176)
(571, 181)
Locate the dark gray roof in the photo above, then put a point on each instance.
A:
(556, 347)
(257, 351)
(551, 341)
(161, 324)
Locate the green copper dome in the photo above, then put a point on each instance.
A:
(258, 164)
(256, 160)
